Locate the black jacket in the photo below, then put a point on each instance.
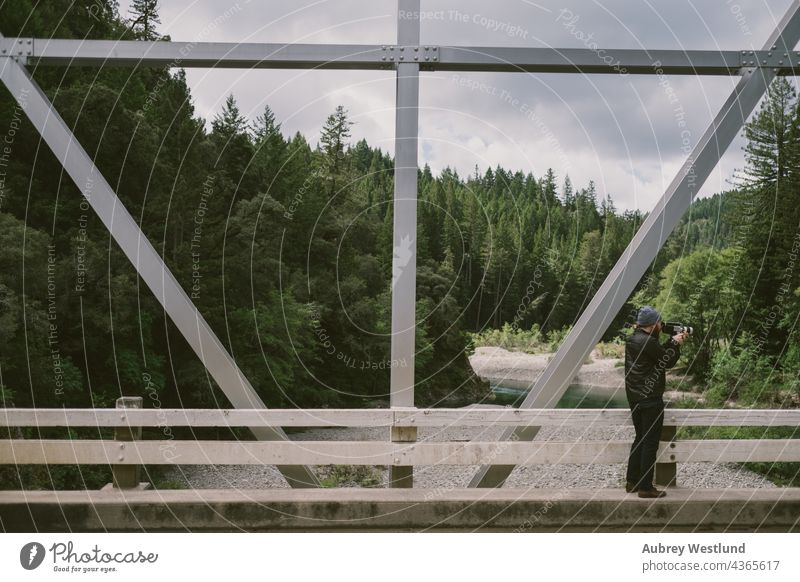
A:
(646, 362)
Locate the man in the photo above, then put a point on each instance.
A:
(646, 362)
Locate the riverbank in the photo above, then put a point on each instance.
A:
(520, 370)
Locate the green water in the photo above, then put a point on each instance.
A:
(576, 396)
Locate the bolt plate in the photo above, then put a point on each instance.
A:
(776, 59)
(424, 54)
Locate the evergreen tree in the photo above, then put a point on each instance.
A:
(270, 153)
(568, 193)
(230, 122)
(766, 212)
(548, 187)
(333, 141)
(230, 133)
(145, 18)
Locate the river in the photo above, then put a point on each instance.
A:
(576, 396)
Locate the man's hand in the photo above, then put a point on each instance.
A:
(678, 339)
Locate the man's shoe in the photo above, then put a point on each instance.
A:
(651, 493)
(630, 487)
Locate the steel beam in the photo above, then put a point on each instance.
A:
(141, 253)
(404, 261)
(649, 239)
(63, 52)
(104, 53)
(574, 60)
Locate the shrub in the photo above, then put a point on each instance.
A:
(556, 336)
(615, 349)
(743, 375)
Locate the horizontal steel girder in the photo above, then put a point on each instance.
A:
(63, 52)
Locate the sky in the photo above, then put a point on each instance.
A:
(622, 131)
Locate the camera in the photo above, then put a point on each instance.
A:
(674, 328)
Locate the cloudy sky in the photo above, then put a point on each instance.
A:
(620, 131)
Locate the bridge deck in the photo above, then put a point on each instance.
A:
(775, 510)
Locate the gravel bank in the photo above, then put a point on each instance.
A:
(519, 369)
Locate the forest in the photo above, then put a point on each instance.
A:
(285, 245)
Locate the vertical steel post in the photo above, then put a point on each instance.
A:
(649, 239)
(140, 252)
(404, 261)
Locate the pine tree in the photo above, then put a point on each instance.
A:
(265, 127)
(548, 186)
(569, 193)
(772, 150)
(766, 212)
(145, 18)
(591, 195)
(230, 133)
(230, 122)
(270, 155)
(333, 140)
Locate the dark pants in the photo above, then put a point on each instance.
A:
(648, 418)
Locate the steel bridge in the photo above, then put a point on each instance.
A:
(409, 58)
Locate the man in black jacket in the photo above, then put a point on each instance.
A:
(646, 362)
